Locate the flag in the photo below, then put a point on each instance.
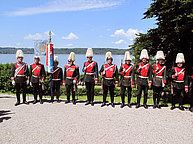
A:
(40, 47)
(49, 57)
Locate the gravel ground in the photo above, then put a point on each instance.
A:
(68, 123)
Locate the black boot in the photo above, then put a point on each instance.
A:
(68, 101)
(181, 107)
(122, 105)
(17, 103)
(87, 103)
(25, 102)
(138, 105)
(172, 107)
(103, 104)
(158, 106)
(74, 102)
(145, 106)
(92, 103)
(154, 106)
(58, 101)
(129, 105)
(35, 101)
(191, 109)
(41, 101)
(113, 105)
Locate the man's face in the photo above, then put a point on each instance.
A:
(160, 61)
(89, 58)
(144, 60)
(20, 59)
(128, 62)
(109, 61)
(37, 60)
(179, 64)
(70, 62)
(55, 64)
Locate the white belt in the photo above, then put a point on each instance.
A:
(90, 73)
(70, 77)
(143, 77)
(56, 79)
(179, 81)
(159, 76)
(127, 76)
(20, 75)
(109, 78)
(35, 76)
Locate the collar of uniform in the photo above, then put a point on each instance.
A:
(110, 64)
(128, 64)
(90, 61)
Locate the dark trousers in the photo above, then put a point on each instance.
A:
(68, 89)
(18, 87)
(56, 88)
(178, 96)
(140, 89)
(90, 91)
(191, 99)
(157, 94)
(105, 92)
(123, 89)
(37, 89)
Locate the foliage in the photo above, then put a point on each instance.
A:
(173, 34)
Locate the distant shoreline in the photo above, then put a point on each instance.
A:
(97, 51)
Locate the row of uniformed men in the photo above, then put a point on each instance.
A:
(109, 72)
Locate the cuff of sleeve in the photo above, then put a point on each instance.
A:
(138, 69)
(75, 79)
(173, 76)
(186, 87)
(101, 74)
(150, 82)
(12, 78)
(132, 82)
(116, 82)
(164, 81)
(96, 79)
(154, 71)
(63, 81)
(192, 76)
(43, 78)
(122, 73)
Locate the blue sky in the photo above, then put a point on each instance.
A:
(74, 23)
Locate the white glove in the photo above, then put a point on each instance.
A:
(74, 82)
(13, 83)
(31, 84)
(27, 82)
(63, 84)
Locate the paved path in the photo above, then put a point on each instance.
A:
(67, 123)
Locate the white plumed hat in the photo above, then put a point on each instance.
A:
(180, 58)
(144, 54)
(160, 55)
(127, 56)
(19, 53)
(108, 56)
(71, 56)
(89, 52)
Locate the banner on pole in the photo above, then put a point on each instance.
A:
(49, 57)
(40, 47)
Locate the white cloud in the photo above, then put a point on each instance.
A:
(69, 45)
(129, 34)
(65, 5)
(71, 36)
(119, 42)
(38, 36)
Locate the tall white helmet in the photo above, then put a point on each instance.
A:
(37, 57)
(180, 58)
(108, 56)
(71, 57)
(127, 56)
(160, 55)
(144, 54)
(56, 59)
(89, 52)
(19, 53)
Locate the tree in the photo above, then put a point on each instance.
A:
(174, 20)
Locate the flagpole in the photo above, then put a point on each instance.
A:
(52, 97)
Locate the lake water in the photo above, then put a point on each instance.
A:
(80, 59)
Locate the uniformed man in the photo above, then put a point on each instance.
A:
(144, 77)
(57, 78)
(37, 77)
(180, 81)
(90, 70)
(71, 76)
(109, 72)
(191, 90)
(159, 78)
(127, 72)
(20, 77)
